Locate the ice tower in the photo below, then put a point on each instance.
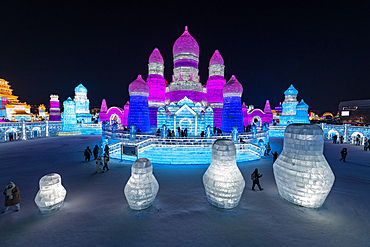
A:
(54, 114)
(103, 112)
(139, 109)
(302, 113)
(82, 104)
(215, 84)
(289, 108)
(157, 85)
(232, 113)
(69, 115)
(185, 70)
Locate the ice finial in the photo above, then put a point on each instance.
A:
(156, 57)
(173, 77)
(198, 78)
(186, 28)
(291, 90)
(180, 78)
(103, 107)
(216, 58)
(267, 108)
(191, 77)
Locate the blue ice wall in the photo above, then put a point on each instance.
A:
(69, 115)
(139, 113)
(232, 114)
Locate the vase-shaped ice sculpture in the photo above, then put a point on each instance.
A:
(51, 195)
(302, 174)
(223, 181)
(142, 187)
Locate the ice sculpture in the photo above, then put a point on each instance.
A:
(142, 187)
(302, 174)
(51, 195)
(223, 181)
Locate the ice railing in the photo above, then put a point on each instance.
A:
(183, 143)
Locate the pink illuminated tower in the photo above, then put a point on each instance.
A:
(103, 112)
(54, 114)
(185, 70)
(215, 84)
(157, 85)
(126, 109)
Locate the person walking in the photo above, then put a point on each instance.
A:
(341, 139)
(343, 154)
(96, 152)
(105, 160)
(255, 178)
(268, 148)
(12, 197)
(274, 156)
(335, 139)
(87, 153)
(106, 149)
(99, 166)
(366, 146)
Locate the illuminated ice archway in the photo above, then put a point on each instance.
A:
(13, 131)
(354, 135)
(330, 133)
(36, 130)
(183, 125)
(259, 123)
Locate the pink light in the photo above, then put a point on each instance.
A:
(103, 107)
(138, 86)
(216, 58)
(186, 43)
(233, 86)
(156, 57)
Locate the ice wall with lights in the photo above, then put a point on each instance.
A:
(54, 114)
(232, 112)
(302, 174)
(139, 109)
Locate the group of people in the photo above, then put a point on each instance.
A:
(99, 160)
(335, 139)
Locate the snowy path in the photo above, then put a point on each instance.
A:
(96, 213)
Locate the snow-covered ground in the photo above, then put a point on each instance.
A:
(96, 213)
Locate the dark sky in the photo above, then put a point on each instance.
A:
(322, 47)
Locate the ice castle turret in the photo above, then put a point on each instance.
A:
(82, 104)
(302, 113)
(232, 113)
(215, 84)
(103, 116)
(289, 108)
(185, 70)
(267, 108)
(54, 114)
(69, 115)
(139, 109)
(157, 85)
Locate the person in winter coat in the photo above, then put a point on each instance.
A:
(105, 160)
(255, 178)
(274, 157)
(343, 154)
(106, 149)
(87, 153)
(99, 166)
(12, 197)
(268, 148)
(96, 152)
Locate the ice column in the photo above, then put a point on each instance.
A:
(51, 195)
(54, 114)
(302, 174)
(223, 182)
(142, 187)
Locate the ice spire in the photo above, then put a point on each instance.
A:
(103, 107)
(267, 108)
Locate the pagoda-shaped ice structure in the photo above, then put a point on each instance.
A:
(292, 112)
(139, 109)
(232, 113)
(69, 116)
(82, 104)
(215, 84)
(142, 187)
(223, 181)
(302, 174)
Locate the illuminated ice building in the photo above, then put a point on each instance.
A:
(82, 104)
(293, 112)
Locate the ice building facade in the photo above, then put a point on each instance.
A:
(302, 174)
(257, 117)
(185, 115)
(69, 115)
(82, 104)
(292, 111)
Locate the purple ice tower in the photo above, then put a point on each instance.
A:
(215, 84)
(54, 114)
(185, 70)
(232, 113)
(157, 85)
(103, 116)
(139, 109)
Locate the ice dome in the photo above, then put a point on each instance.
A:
(81, 89)
(186, 44)
(156, 57)
(68, 102)
(302, 174)
(216, 58)
(302, 105)
(291, 90)
(142, 187)
(223, 181)
(232, 88)
(51, 195)
(138, 87)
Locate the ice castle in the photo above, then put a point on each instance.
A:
(292, 111)
(184, 102)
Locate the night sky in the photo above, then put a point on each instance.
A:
(321, 47)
